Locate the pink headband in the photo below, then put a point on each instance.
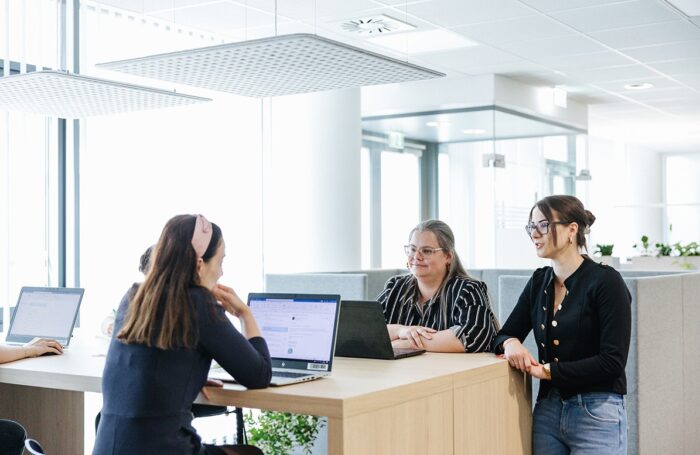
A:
(201, 236)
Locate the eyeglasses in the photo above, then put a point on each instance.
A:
(424, 251)
(542, 227)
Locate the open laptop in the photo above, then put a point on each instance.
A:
(300, 331)
(362, 333)
(45, 313)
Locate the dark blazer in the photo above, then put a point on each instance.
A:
(148, 392)
(587, 341)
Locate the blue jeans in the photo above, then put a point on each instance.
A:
(585, 424)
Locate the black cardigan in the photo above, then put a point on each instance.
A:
(587, 341)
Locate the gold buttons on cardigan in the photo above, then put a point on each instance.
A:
(544, 308)
(542, 326)
(554, 323)
(542, 344)
(559, 307)
(556, 342)
(556, 359)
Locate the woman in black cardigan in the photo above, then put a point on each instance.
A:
(580, 314)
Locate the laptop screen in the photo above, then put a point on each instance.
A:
(45, 313)
(299, 329)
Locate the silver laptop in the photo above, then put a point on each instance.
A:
(45, 313)
(300, 331)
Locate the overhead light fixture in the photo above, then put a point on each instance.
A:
(64, 95)
(438, 124)
(375, 25)
(275, 66)
(639, 86)
(474, 131)
(584, 175)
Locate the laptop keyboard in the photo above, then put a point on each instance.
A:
(289, 374)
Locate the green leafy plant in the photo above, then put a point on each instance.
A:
(690, 249)
(663, 249)
(604, 250)
(643, 248)
(276, 433)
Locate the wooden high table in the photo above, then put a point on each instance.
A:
(432, 403)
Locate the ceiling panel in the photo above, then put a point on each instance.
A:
(660, 83)
(645, 35)
(470, 58)
(450, 13)
(608, 16)
(692, 80)
(217, 17)
(586, 61)
(671, 51)
(559, 5)
(553, 47)
(512, 69)
(401, 3)
(312, 10)
(619, 73)
(508, 31)
(664, 94)
(678, 67)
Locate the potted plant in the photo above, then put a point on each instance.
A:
(643, 247)
(278, 433)
(605, 253)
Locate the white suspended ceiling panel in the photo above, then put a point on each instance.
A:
(280, 65)
(59, 94)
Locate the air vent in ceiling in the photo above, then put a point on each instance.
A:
(375, 25)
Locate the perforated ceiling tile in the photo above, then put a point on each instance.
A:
(63, 95)
(281, 65)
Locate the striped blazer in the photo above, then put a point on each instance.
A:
(467, 311)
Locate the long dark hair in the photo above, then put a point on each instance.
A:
(570, 210)
(160, 313)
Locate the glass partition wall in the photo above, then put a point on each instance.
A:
(491, 164)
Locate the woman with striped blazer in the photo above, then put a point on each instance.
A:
(438, 306)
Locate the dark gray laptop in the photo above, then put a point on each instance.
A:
(362, 333)
(300, 331)
(45, 313)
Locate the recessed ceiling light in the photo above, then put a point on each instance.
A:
(275, 66)
(423, 41)
(639, 86)
(474, 131)
(434, 124)
(63, 95)
(375, 25)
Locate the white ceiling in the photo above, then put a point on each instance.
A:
(591, 47)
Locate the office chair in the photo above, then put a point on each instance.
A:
(33, 447)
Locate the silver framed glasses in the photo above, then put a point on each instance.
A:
(542, 227)
(424, 251)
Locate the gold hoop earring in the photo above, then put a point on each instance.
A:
(571, 241)
(408, 266)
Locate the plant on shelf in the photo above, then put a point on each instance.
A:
(662, 249)
(276, 433)
(603, 250)
(691, 249)
(643, 248)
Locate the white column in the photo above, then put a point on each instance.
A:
(312, 182)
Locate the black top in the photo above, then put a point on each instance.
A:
(148, 392)
(468, 312)
(587, 341)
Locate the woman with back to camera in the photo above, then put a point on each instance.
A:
(580, 313)
(168, 329)
(437, 307)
